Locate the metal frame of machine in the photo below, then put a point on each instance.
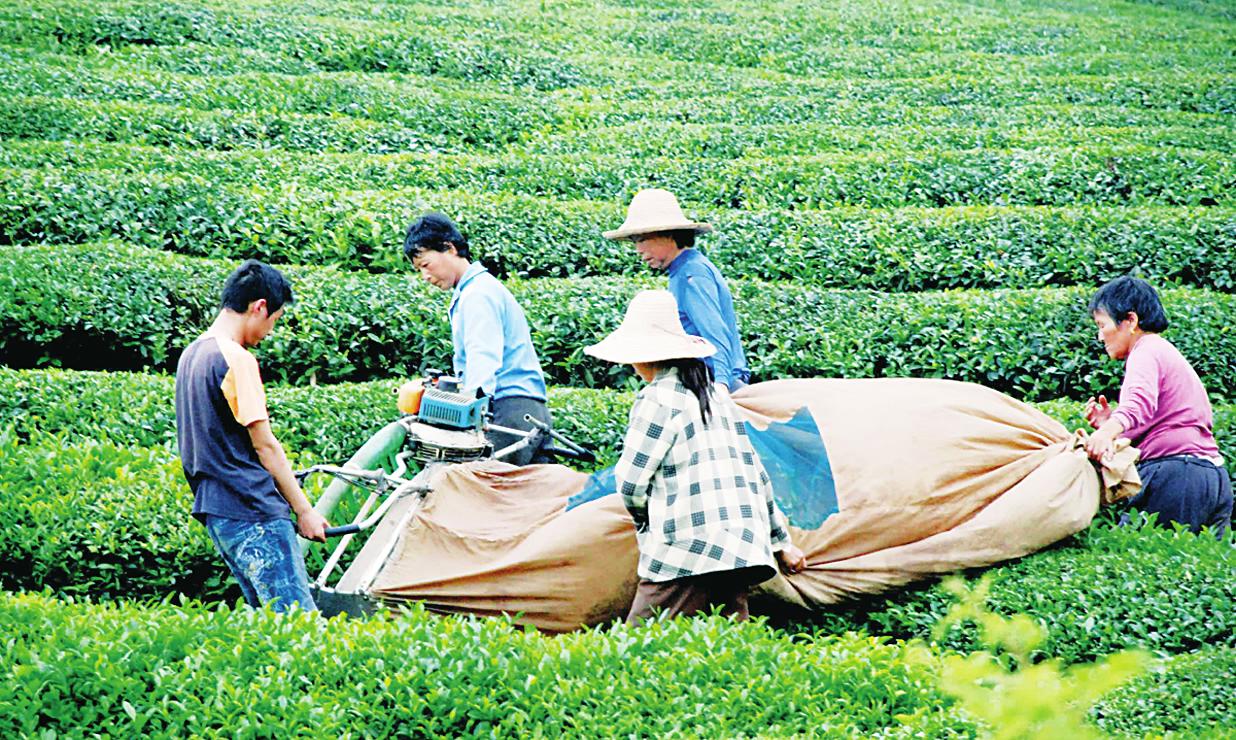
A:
(449, 428)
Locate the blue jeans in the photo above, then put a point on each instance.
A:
(265, 559)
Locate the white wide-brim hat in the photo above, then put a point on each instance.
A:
(654, 210)
(651, 332)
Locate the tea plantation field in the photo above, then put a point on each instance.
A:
(929, 188)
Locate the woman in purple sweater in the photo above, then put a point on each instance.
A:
(1163, 410)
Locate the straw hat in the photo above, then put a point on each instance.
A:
(654, 210)
(650, 332)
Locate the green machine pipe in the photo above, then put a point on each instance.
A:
(376, 451)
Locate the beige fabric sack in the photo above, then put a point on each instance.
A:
(932, 476)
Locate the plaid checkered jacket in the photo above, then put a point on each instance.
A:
(700, 498)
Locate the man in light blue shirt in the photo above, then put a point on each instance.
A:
(493, 346)
(665, 239)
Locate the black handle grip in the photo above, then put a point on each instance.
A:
(341, 531)
(582, 455)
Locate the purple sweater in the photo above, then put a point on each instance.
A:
(1163, 404)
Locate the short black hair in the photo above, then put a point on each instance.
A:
(684, 238)
(253, 281)
(1126, 295)
(434, 231)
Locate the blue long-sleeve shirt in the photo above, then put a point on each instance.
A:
(493, 346)
(707, 310)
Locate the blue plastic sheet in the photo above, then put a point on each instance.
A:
(794, 456)
(600, 483)
(797, 464)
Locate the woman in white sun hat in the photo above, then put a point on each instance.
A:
(664, 239)
(704, 513)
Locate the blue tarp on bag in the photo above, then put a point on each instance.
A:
(793, 454)
(600, 483)
(794, 457)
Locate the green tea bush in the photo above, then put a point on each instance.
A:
(1107, 589)
(905, 249)
(1189, 694)
(97, 519)
(423, 47)
(325, 423)
(1013, 696)
(110, 306)
(1056, 176)
(313, 112)
(190, 670)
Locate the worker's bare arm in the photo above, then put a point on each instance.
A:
(310, 524)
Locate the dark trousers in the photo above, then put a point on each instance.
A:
(509, 412)
(683, 597)
(1190, 490)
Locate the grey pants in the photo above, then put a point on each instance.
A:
(1189, 490)
(509, 412)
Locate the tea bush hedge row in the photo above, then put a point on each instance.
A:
(1056, 176)
(1106, 589)
(125, 670)
(519, 49)
(443, 128)
(363, 113)
(905, 249)
(783, 116)
(427, 47)
(326, 423)
(115, 307)
(99, 519)
(1191, 695)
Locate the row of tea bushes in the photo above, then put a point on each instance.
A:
(904, 249)
(186, 670)
(326, 423)
(1126, 174)
(116, 307)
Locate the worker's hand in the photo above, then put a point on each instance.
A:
(1097, 411)
(791, 559)
(1099, 445)
(312, 525)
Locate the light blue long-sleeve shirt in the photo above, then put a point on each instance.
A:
(707, 310)
(493, 346)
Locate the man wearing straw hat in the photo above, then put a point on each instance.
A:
(493, 345)
(705, 518)
(664, 238)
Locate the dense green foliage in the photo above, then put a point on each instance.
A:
(1191, 695)
(1107, 589)
(188, 671)
(887, 249)
(109, 306)
(860, 161)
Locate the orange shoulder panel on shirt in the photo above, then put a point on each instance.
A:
(242, 386)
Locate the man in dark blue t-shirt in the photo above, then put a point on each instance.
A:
(243, 486)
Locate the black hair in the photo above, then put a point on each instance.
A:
(684, 238)
(1126, 295)
(253, 281)
(697, 377)
(434, 231)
